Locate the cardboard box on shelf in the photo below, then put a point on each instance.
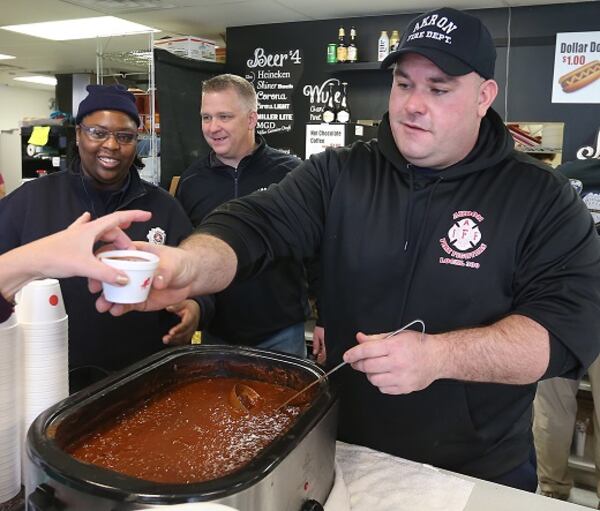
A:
(190, 47)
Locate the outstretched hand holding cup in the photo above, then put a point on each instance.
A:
(139, 267)
(202, 264)
(167, 286)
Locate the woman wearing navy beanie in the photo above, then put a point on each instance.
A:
(102, 179)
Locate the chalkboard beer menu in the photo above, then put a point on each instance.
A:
(275, 75)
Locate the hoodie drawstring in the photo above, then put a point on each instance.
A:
(409, 206)
(421, 235)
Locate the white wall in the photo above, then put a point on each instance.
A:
(17, 103)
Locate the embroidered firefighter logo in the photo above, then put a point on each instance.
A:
(463, 242)
(157, 236)
(464, 235)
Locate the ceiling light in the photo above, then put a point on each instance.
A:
(84, 28)
(6, 57)
(42, 80)
(125, 5)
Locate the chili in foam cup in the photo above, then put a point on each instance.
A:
(139, 267)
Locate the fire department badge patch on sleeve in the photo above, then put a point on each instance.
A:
(157, 236)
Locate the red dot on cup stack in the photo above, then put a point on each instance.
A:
(41, 302)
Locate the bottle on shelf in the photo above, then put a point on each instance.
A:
(394, 40)
(383, 46)
(343, 114)
(332, 53)
(352, 51)
(342, 49)
(329, 112)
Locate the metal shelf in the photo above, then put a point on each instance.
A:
(582, 468)
(585, 385)
(536, 149)
(583, 464)
(138, 62)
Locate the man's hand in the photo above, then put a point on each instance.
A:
(202, 264)
(400, 364)
(515, 350)
(189, 312)
(319, 349)
(172, 281)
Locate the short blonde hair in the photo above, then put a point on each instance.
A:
(243, 87)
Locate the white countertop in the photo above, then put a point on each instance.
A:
(487, 496)
(368, 480)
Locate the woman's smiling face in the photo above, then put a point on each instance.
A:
(107, 161)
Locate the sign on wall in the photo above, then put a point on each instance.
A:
(321, 136)
(274, 74)
(576, 68)
(590, 151)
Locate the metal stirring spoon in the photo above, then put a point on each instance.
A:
(321, 378)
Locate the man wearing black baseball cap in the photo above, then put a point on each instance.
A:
(455, 41)
(443, 66)
(439, 219)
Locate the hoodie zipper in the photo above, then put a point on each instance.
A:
(235, 183)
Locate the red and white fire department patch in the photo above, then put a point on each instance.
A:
(463, 242)
(157, 236)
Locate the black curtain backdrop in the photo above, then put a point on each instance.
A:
(178, 86)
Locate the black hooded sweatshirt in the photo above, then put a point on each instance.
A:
(493, 235)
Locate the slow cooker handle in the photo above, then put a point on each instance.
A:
(311, 505)
(43, 499)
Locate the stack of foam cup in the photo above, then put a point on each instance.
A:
(44, 348)
(10, 416)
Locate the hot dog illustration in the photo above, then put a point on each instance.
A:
(580, 77)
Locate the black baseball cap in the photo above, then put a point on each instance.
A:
(457, 42)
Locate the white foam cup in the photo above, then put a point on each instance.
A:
(46, 328)
(140, 273)
(40, 301)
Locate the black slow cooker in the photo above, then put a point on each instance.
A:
(295, 472)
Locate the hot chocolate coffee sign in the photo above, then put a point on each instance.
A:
(274, 74)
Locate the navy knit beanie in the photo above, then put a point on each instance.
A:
(108, 97)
